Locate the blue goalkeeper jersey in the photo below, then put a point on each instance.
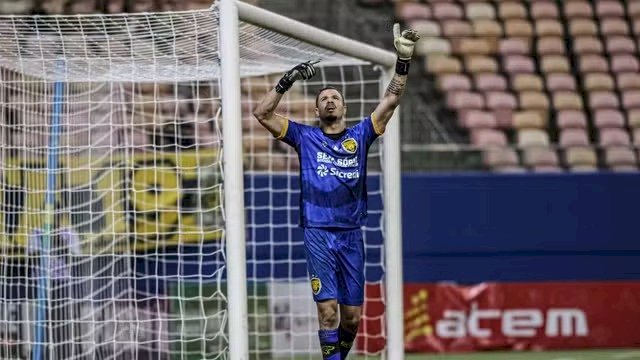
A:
(333, 173)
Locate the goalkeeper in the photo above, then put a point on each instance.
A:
(333, 163)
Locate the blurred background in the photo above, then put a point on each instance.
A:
(497, 85)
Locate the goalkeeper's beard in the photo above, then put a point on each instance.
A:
(329, 119)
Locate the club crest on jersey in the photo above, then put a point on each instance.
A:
(350, 145)
(316, 285)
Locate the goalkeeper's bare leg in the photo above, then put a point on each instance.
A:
(328, 333)
(349, 321)
(336, 345)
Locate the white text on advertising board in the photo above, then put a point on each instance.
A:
(565, 322)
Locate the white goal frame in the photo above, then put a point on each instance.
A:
(231, 12)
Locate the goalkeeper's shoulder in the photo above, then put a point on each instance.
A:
(299, 125)
(293, 129)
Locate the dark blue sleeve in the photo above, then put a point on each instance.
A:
(367, 131)
(292, 133)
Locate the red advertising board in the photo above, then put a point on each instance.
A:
(518, 316)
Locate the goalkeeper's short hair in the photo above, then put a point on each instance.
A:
(328, 87)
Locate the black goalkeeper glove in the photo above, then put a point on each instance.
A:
(304, 71)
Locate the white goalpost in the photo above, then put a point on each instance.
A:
(146, 215)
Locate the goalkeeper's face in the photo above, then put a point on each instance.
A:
(330, 106)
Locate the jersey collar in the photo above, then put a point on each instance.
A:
(334, 137)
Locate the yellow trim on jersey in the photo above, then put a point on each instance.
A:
(283, 132)
(373, 123)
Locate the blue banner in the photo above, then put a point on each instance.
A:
(472, 228)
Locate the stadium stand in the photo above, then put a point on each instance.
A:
(537, 85)
(567, 68)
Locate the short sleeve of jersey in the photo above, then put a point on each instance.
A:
(292, 133)
(367, 131)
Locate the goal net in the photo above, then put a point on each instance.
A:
(112, 227)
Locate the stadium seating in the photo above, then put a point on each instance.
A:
(538, 85)
(570, 69)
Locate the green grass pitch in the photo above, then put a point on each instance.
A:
(617, 354)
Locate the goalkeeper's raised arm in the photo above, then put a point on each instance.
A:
(404, 44)
(265, 111)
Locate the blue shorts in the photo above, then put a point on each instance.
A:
(335, 262)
